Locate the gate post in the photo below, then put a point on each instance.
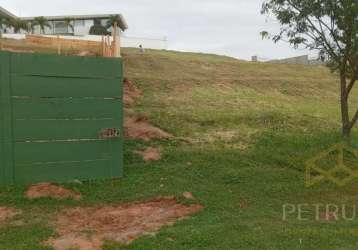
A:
(6, 147)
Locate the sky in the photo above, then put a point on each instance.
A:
(226, 27)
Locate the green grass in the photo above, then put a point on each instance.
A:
(250, 128)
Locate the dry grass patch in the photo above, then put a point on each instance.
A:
(7, 213)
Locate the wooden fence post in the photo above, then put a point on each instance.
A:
(116, 42)
(103, 47)
(114, 34)
(109, 48)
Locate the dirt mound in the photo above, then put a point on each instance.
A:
(140, 128)
(7, 213)
(150, 154)
(48, 190)
(127, 100)
(131, 92)
(87, 228)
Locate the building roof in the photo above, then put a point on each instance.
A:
(5, 13)
(122, 22)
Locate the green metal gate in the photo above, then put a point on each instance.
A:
(60, 118)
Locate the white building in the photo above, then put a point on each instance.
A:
(81, 26)
(57, 24)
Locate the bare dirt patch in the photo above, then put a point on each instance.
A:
(139, 128)
(7, 213)
(328, 216)
(48, 190)
(131, 92)
(127, 100)
(88, 228)
(150, 154)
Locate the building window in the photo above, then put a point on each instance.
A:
(97, 22)
(79, 23)
(104, 22)
(61, 28)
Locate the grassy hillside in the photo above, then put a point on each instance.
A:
(205, 96)
(250, 128)
(243, 132)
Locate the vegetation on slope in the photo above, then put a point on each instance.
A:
(202, 96)
(243, 133)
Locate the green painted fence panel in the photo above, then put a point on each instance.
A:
(42, 86)
(66, 66)
(7, 170)
(69, 129)
(60, 151)
(63, 108)
(53, 110)
(68, 171)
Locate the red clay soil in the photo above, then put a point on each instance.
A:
(328, 216)
(7, 213)
(88, 228)
(48, 190)
(127, 100)
(140, 128)
(150, 154)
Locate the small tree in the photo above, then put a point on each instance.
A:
(7, 22)
(3, 23)
(98, 29)
(42, 23)
(18, 25)
(69, 24)
(31, 26)
(113, 21)
(328, 26)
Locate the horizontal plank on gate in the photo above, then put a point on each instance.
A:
(53, 108)
(30, 130)
(66, 66)
(66, 171)
(61, 151)
(41, 86)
